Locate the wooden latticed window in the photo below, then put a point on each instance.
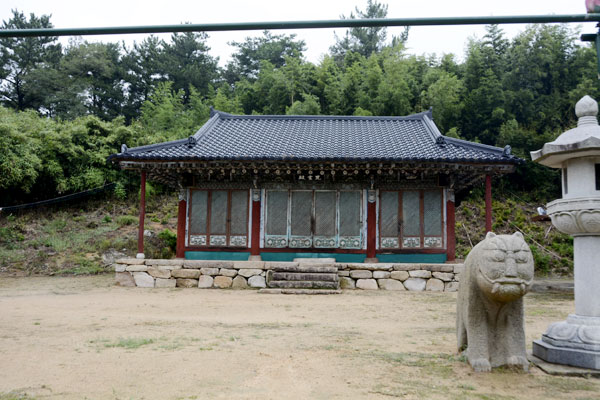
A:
(218, 218)
(313, 219)
(410, 219)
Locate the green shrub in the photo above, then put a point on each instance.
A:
(169, 238)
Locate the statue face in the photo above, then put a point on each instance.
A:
(505, 269)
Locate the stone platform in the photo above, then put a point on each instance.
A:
(206, 274)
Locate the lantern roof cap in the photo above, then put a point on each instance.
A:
(582, 141)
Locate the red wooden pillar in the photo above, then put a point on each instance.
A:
(181, 213)
(255, 238)
(488, 203)
(371, 226)
(140, 253)
(450, 228)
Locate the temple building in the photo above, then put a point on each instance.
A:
(276, 187)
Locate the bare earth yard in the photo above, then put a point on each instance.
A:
(76, 338)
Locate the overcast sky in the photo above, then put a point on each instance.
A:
(422, 40)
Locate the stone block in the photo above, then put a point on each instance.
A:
(124, 279)
(381, 274)
(343, 273)
(222, 282)
(451, 287)
(165, 283)
(136, 268)
(369, 266)
(142, 279)
(459, 268)
(278, 265)
(390, 284)
(406, 267)
(248, 272)
(434, 285)
(205, 281)
(185, 273)
(158, 273)
(439, 267)
(168, 267)
(257, 281)
(347, 283)
(197, 264)
(239, 282)
(175, 263)
(248, 264)
(130, 261)
(361, 274)
(367, 284)
(443, 276)
(212, 271)
(399, 275)
(187, 283)
(457, 277)
(228, 272)
(120, 267)
(415, 284)
(421, 273)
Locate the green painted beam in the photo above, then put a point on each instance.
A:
(342, 23)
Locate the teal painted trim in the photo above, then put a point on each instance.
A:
(412, 258)
(217, 255)
(339, 257)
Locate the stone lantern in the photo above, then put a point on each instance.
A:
(576, 341)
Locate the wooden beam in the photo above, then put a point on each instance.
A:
(142, 215)
(181, 222)
(450, 227)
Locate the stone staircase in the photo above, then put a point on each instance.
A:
(303, 278)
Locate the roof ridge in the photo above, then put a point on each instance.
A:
(323, 117)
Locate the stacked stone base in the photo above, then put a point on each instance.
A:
(206, 274)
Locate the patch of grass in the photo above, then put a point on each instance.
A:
(130, 343)
(127, 220)
(568, 385)
(15, 396)
(83, 266)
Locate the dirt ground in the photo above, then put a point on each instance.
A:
(83, 338)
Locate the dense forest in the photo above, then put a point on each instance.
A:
(64, 109)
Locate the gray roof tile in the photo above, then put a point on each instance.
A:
(319, 138)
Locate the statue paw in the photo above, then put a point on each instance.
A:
(480, 365)
(518, 361)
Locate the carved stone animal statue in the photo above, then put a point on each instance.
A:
(498, 272)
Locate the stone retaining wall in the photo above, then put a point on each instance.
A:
(251, 274)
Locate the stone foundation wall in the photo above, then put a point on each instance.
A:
(251, 274)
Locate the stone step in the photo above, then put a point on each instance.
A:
(303, 284)
(299, 291)
(315, 260)
(302, 276)
(325, 269)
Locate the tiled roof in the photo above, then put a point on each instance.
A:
(319, 138)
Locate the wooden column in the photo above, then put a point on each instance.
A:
(371, 226)
(255, 245)
(140, 253)
(488, 203)
(181, 222)
(450, 227)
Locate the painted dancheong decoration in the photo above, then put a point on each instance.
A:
(576, 341)
(490, 326)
